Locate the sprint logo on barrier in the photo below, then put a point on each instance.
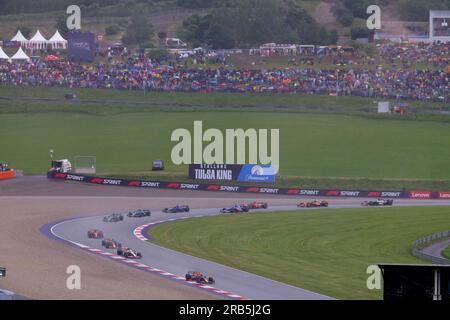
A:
(236, 146)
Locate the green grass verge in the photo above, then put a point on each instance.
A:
(326, 251)
(446, 252)
(311, 145)
(218, 101)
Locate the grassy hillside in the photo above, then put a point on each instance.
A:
(327, 251)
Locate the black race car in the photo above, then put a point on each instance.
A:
(235, 209)
(199, 277)
(378, 202)
(115, 217)
(139, 213)
(177, 209)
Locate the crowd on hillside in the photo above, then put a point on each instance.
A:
(437, 53)
(139, 73)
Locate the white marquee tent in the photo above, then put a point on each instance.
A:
(37, 41)
(20, 55)
(3, 55)
(57, 41)
(20, 38)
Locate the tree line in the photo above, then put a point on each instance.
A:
(248, 23)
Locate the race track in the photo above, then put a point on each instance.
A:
(28, 203)
(235, 283)
(436, 249)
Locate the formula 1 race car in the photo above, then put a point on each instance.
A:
(128, 253)
(313, 204)
(115, 217)
(110, 244)
(199, 277)
(257, 205)
(95, 234)
(139, 213)
(235, 209)
(177, 209)
(378, 202)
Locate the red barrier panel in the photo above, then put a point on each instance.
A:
(9, 174)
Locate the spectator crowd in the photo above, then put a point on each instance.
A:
(138, 72)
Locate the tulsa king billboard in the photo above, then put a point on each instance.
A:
(230, 172)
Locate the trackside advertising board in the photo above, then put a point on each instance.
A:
(341, 193)
(232, 172)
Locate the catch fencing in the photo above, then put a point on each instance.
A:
(422, 242)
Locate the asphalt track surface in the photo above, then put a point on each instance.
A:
(90, 201)
(436, 249)
(240, 283)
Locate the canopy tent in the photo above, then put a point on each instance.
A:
(57, 41)
(37, 41)
(20, 38)
(20, 55)
(3, 55)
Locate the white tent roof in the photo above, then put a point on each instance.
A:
(19, 37)
(3, 55)
(20, 55)
(57, 38)
(38, 37)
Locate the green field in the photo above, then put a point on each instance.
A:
(326, 251)
(318, 145)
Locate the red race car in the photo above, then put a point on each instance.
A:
(257, 205)
(95, 234)
(110, 244)
(313, 204)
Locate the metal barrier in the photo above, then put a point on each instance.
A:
(423, 241)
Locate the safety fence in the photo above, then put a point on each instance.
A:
(252, 189)
(419, 244)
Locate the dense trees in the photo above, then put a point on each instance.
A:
(252, 22)
(139, 31)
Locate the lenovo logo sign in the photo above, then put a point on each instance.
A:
(420, 194)
(444, 195)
